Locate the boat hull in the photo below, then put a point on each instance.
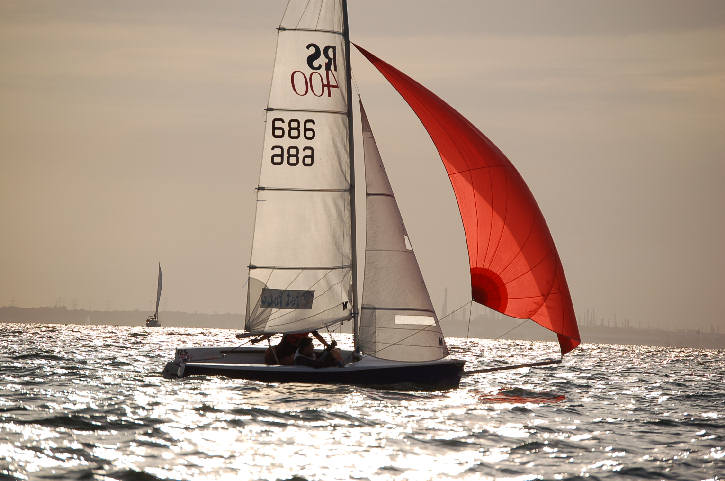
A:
(247, 363)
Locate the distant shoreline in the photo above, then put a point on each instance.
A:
(484, 328)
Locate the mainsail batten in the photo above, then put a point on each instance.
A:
(300, 270)
(514, 265)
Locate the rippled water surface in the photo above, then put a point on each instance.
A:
(79, 402)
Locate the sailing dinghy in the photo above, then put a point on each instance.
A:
(303, 269)
(153, 319)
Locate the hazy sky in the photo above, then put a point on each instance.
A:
(131, 132)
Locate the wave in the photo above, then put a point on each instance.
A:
(38, 355)
(643, 473)
(91, 423)
(133, 475)
(109, 402)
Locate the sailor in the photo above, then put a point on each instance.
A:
(284, 352)
(306, 356)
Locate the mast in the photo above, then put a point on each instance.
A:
(351, 147)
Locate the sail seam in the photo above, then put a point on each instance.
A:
(505, 218)
(521, 249)
(532, 266)
(461, 172)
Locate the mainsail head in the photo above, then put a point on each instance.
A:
(514, 265)
(397, 321)
(300, 271)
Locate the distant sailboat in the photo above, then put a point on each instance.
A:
(303, 269)
(153, 319)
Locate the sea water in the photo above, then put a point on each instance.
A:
(89, 402)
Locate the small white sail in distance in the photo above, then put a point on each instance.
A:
(397, 320)
(158, 293)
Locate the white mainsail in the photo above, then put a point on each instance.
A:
(397, 320)
(300, 274)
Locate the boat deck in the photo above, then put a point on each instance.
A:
(248, 363)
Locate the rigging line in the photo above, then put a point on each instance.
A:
(456, 310)
(313, 285)
(285, 12)
(357, 87)
(304, 10)
(259, 300)
(293, 280)
(234, 349)
(407, 345)
(320, 279)
(320, 312)
(416, 331)
(316, 297)
(468, 329)
(317, 22)
(515, 327)
(554, 287)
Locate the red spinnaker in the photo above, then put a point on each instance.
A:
(515, 268)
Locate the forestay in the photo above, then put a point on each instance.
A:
(397, 318)
(300, 270)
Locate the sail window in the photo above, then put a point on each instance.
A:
(416, 320)
(408, 245)
(287, 299)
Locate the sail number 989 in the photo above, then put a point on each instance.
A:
(293, 129)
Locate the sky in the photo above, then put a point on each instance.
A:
(131, 133)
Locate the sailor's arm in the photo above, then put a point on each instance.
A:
(320, 338)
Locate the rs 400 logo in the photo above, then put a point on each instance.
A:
(318, 59)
